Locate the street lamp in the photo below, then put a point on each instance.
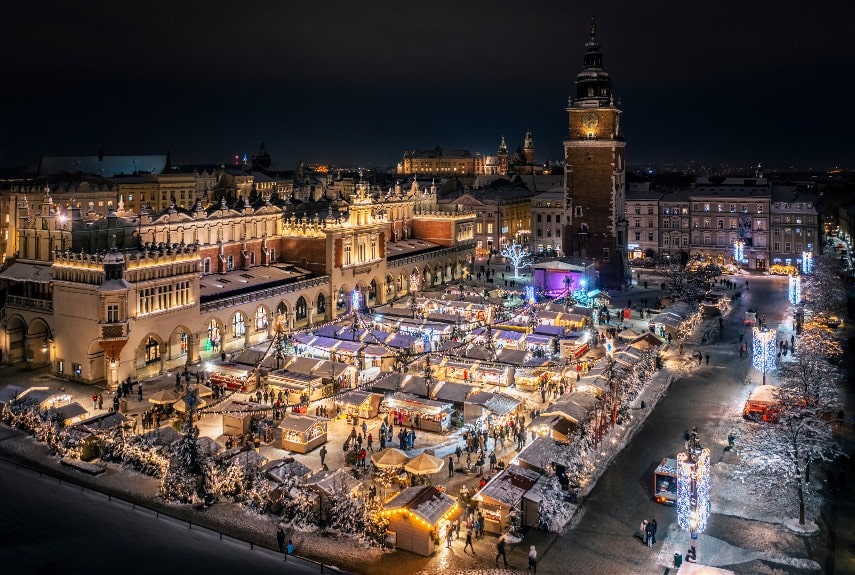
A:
(764, 350)
(693, 490)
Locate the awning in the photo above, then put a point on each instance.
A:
(28, 273)
(377, 351)
(351, 347)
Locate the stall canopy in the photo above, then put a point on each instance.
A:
(330, 482)
(499, 404)
(424, 464)
(389, 458)
(509, 486)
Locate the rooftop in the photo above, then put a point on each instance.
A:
(235, 282)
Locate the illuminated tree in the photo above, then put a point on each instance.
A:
(519, 255)
(823, 290)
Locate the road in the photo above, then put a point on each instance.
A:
(50, 528)
(711, 397)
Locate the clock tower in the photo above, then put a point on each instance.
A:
(595, 173)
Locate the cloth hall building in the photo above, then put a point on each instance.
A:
(101, 298)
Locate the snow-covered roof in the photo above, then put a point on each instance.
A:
(328, 482)
(425, 501)
(509, 486)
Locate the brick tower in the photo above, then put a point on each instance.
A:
(595, 173)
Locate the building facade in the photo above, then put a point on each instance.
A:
(594, 172)
(642, 216)
(104, 298)
(547, 222)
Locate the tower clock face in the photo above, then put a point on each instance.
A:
(590, 120)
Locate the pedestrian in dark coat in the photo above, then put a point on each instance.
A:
(500, 551)
(469, 542)
(649, 534)
(451, 466)
(280, 538)
(653, 531)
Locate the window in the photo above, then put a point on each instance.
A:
(539, 233)
(301, 309)
(77, 369)
(637, 223)
(787, 247)
(272, 255)
(548, 218)
(557, 232)
(373, 248)
(650, 223)
(637, 210)
(777, 246)
(666, 223)
(260, 319)
(732, 208)
(113, 313)
(479, 228)
(685, 241)
(649, 236)
(230, 262)
(347, 255)
(605, 254)
(214, 334)
(539, 218)
(577, 211)
(152, 350)
(238, 325)
(489, 228)
(706, 223)
(649, 210)
(557, 218)
(322, 303)
(638, 236)
(666, 240)
(251, 258)
(206, 266)
(720, 224)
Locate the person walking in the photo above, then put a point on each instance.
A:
(469, 542)
(500, 551)
(648, 534)
(532, 559)
(371, 442)
(653, 527)
(643, 527)
(139, 392)
(323, 454)
(280, 538)
(708, 359)
(449, 535)
(450, 466)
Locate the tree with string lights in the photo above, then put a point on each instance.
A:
(519, 255)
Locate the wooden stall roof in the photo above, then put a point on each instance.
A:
(292, 379)
(509, 486)
(453, 392)
(71, 410)
(575, 406)
(328, 482)
(357, 397)
(498, 403)
(281, 469)
(425, 501)
(513, 356)
(404, 399)
(646, 341)
(557, 423)
(102, 421)
(297, 422)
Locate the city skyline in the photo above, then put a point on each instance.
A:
(352, 86)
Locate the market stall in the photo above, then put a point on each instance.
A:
(505, 493)
(574, 344)
(425, 414)
(360, 404)
(302, 433)
(296, 387)
(490, 408)
(235, 378)
(418, 517)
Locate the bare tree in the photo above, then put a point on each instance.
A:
(783, 452)
(519, 255)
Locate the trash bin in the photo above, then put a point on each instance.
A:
(678, 560)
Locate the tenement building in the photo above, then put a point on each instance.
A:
(129, 294)
(595, 172)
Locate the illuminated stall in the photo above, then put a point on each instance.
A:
(505, 493)
(302, 433)
(418, 517)
(360, 404)
(296, 387)
(574, 344)
(431, 415)
(234, 378)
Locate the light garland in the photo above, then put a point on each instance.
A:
(807, 262)
(693, 490)
(738, 251)
(529, 295)
(764, 350)
(355, 299)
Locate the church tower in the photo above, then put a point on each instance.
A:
(503, 157)
(595, 172)
(528, 148)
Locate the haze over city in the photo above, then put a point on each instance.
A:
(354, 84)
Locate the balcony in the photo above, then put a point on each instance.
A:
(29, 303)
(114, 330)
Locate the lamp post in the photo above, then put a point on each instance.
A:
(693, 491)
(764, 350)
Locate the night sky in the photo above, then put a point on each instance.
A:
(360, 82)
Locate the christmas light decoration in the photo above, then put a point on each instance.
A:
(764, 350)
(693, 489)
(529, 295)
(355, 299)
(795, 289)
(807, 262)
(738, 251)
